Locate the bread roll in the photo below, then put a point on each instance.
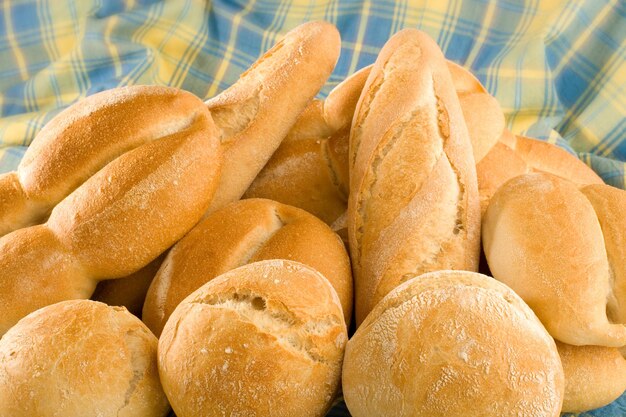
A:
(594, 376)
(130, 291)
(266, 339)
(464, 81)
(542, 156)
(85, 137)
(516, 155)
(413, 204)
(243, 232)
(115, 223)
(452, 343)
(80, 359)
(542, 238)
(310, 168)
(255, 114)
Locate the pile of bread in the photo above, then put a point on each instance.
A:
(132, 197)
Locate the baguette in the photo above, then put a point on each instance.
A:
(115, 223)
(255, 114)
(563, 254)
(413, 204)
(310, 168)
(244, 232)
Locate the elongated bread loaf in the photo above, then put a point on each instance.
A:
(255, 114)
(243, 232)
(80, 358)
(115, 223)
(82, 139)
(266, 339)
(594, 376)
(452, 343)
(413, 204)
(310, 168)
(562, 251)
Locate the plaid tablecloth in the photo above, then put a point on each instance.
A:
(558, 67)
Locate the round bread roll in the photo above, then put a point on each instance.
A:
(80, 358)
(545, 239)
(266, 339)
(594, 376)
(452, 343)
(244, 232)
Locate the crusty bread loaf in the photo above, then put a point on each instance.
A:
(80, 359)
(255, 114)
(130, 291)
(594, 376)
(452, 343)
(310, 168)
(542, 237)
(413, 204)
(302, 173)
(243, 232)
(542, 156)
(115, 223)
(266, 339)
(82, 139)
(516, 155)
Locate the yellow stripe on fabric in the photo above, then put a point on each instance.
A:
(221, 71)
(360, 36)
(584, 36)
(110, 44)
(480, 39)
(10, 37)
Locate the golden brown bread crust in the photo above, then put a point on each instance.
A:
(516, 155)
(497, 167)
(342, 100)
(255, 114)
(82, 139)
(302, 173)
(264, 339)
(452, 343)
(484, 119)
(542, 237)
(594, 376)
(464, 81)
(115, 223)
(413, 204)
(609, 204)
(243, 232)
(130, 291)
(309, 170)
(80, 359)
(542, 156)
